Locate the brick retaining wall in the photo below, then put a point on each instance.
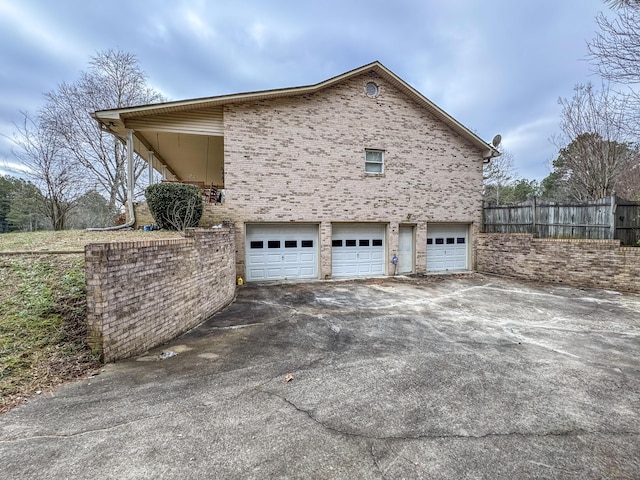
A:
(141, 294)
(583, 263)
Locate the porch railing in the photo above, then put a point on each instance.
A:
(210, 193)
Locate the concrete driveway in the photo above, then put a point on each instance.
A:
(439, 378)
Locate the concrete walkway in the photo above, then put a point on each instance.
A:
(439, 378)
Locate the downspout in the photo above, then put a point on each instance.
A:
(493, 153)
(132, 215)
(150, 168)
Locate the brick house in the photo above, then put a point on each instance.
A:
(329, 180)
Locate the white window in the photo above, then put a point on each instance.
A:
(374, 161)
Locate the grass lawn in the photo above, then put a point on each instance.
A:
(72, 239)
(43, 309)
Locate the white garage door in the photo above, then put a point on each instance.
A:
(357, 250)
(447, 248)
(281, 252)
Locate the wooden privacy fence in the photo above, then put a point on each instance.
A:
(608, 218)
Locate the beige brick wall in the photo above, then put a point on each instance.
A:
(302, 160)
(582, 263)
(142, 215)
(141, 294)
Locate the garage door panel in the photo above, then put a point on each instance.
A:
(273, 258)
(365, 256)
(256, 273)
(345, 271)
(307, 272)
(291, 271)
(291, 258)
(345, 256)
(273, 273)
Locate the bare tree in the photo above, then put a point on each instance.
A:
(42, 151)
(615, 52)
(498, 174)
(114, 80)
(594, 145)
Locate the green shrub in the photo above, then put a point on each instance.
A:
(174, 206)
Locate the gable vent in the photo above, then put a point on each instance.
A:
(371, 89)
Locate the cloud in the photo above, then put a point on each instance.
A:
(35, 30)
(197, 26)
(527, 135)
(531, 146)
(13, 169)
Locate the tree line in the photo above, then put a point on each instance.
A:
(72, 165)
(599, 131)
(23, 207)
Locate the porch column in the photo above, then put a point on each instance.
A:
(130, 181)
(150, 165)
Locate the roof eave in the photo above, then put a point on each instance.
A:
(116, 117)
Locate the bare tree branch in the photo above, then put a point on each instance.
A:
(114, 80)
(595, 144)
(41, 150)
(623, 3)
(498, 174)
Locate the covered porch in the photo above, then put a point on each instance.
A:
(179, 144)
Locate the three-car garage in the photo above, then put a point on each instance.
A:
(292, 251)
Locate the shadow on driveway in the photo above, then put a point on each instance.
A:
(437, 377)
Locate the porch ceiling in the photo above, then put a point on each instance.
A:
(188, 157)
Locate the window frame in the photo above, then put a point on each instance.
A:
(369, 162)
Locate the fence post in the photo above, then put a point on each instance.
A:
(612, 217)
(533, 218)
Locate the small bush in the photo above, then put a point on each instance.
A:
(174, 206)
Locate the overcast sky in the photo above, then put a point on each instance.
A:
(497, 66)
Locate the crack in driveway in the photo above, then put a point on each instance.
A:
(84, 432)
(551, 433)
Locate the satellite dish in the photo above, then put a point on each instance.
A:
(496, 140)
